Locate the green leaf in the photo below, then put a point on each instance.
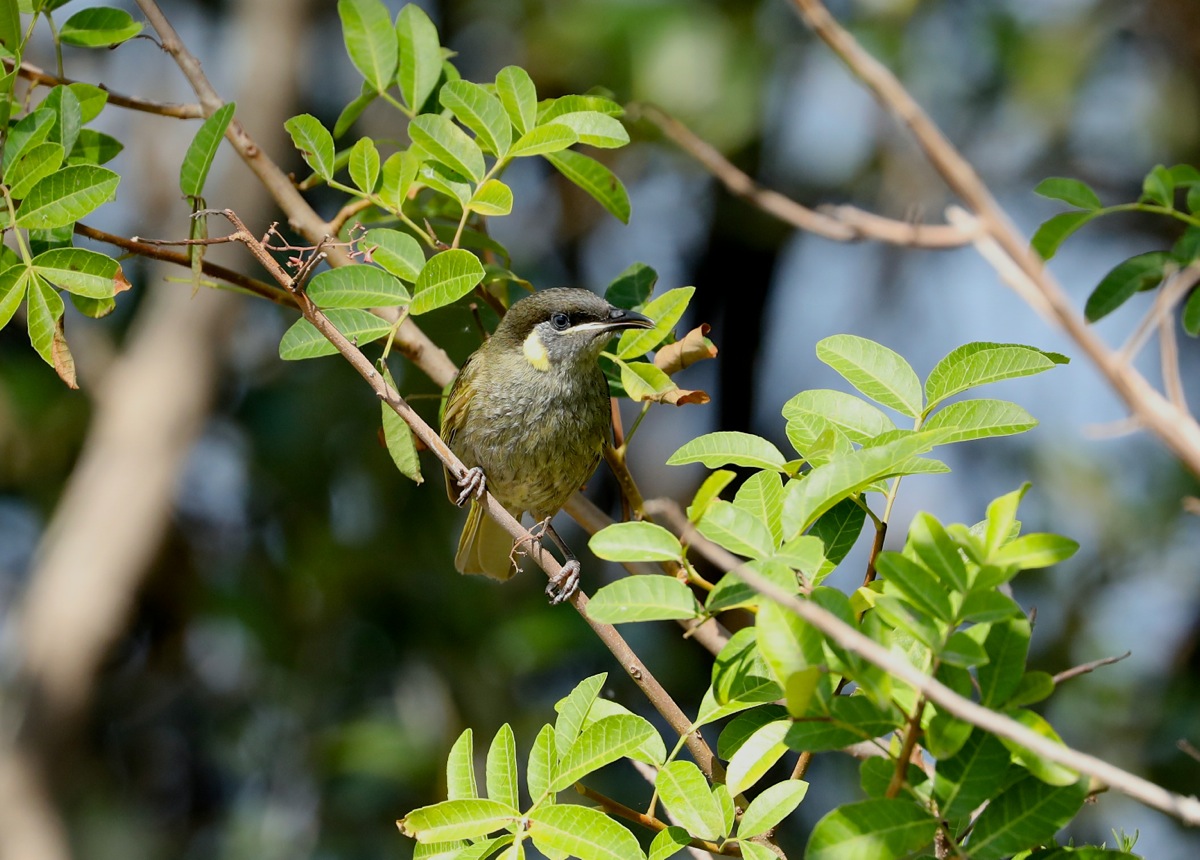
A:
(984, 607)
(370, 40)
(729, 447)
(580, 831)
(398, 253)
(1141, 272)
(550, 109)
(351, 112)
(457, 819)
(875, 370)
(761, 496)
(652, 750)
(855, 417)
(543, 762)
(13, 282)
(518, 96)
(460, 768)
(573, 709)
(771, 806)
(1191, 314)
(98, 27)
(685, 792)
(969, 777)
(1032, 551)
(1070, 191)
(737, 530)
(1007, 646)
(543, 139)
(314, 142)
(398, 437)
(36, 163)
(202, 150)
(501, 767)
(756, 756)
(65, 196)
(84, 273)
(928, 539)
(481, 112)
(91, 98)
(643, 381)
(599, 744)
(667, 843)
(788, 644)
(642, 598)
(1025, 815)
(731, 591)
(595, 179)
(1035, 687)
(825, 486)
(740, 673)
(665, 311)
(871, 829)
(364, 165)
(302, 340)
(916, 583)
(852, 719)
(635, 541)
(420, 56)
(594, 128)
(962, 650)
(743, 726)
(975, 364)
(445, 278)
(1001, 518)
(357, 286)
(94, 147)
(1047, 771)
(981, 419)
(28, 132)
(492, 198)
(838, 529)
(399, 173)
(1053, 232)
(44, 307)
(448, 144)
(1159, 187)
(631, 289)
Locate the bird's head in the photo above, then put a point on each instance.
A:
(563, 326)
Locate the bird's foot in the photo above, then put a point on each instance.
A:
(473, 483)
(565, 584)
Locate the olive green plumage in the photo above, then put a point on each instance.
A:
(531, 409)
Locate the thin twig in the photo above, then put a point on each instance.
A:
(842, 223)
(148, 249)
(30, 72)
(1085, 668)
(1186, 809)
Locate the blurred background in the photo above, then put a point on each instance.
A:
(288, 653)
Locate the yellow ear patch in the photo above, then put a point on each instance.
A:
(535, 351)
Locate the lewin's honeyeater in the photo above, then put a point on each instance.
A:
(529, 415)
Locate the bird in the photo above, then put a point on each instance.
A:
(529, 415)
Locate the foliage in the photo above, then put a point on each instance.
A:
(1161, 190)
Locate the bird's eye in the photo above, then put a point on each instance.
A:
(560, 321)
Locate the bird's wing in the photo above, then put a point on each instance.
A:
(454, 416)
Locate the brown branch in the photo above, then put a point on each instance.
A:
(911, 733)
(1075, 671)
(32, 73)
(841, 223)
(147, 249)
(1024, 270)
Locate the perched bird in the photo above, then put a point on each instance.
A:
(529, 415)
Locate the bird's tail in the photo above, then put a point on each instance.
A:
(484, 547)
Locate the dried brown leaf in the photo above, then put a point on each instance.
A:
(691, 348)
(64, 362)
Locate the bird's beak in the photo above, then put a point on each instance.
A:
(619, 318)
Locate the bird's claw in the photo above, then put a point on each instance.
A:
(564, 585)
(473, 483)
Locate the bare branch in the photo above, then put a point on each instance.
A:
(842, 223)
(32, 73)
(1085, 668)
